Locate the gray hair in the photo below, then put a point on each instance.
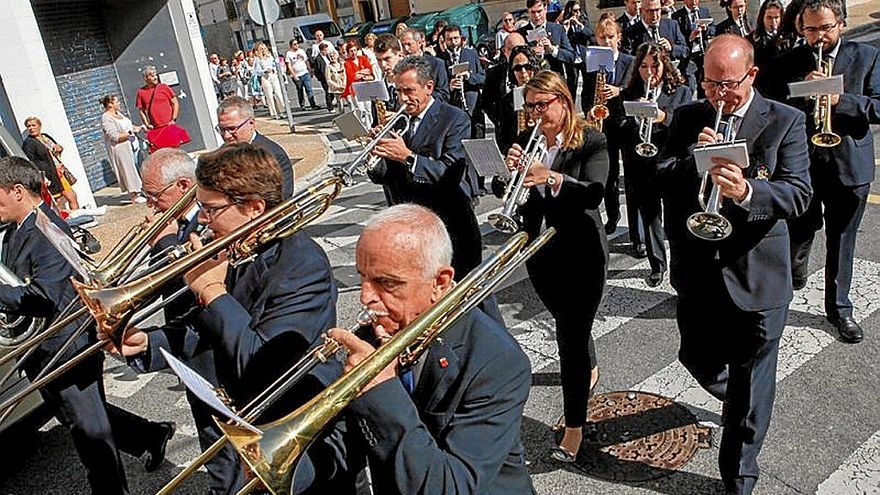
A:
(172, 164)
(417, 34)
(148, 69)
(416, 229)
(418, 63)
(236, 104)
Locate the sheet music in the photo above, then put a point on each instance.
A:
(736, 152)
(534, 35)
(204, 390)
(367, 91)
(485, 156)
(350, 125)
(641, 109)
(826, 86)
(460, 68)
(597, 57)
(62, 242)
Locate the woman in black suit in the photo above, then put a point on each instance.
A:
(670, 90)
(767, 39)
(566, 191)
(737, 21)
(522, 65)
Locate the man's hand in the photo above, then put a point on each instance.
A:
(665, 44)
(456, 83)
(133, 343)
(392, 148)
(695, 33)
(610, 91)
(514, 155)
(537, 175)
(208, 280)
(709, 136)
(358, 350)
(546, 44)
(812, 76)
(729, 179)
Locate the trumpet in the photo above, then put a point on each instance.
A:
(113, 308)
(646, 148)
(516, 195)
(599, 112)
(825, 138)
(274, 453)
(16, 329)
(709, 224)
(258, 405)
(366, 160)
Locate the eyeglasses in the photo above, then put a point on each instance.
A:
(154, 197)
(210, 212)
(820, 29)
(521, 67)
(724, 85)
(539, 106)
(230, 130)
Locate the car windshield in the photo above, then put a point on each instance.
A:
(329, 28)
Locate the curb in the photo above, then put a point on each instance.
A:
(862, 29)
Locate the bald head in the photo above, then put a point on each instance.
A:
(512, 41)
(731, 49)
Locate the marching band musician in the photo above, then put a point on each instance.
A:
(630, 16)
(841, 174)
(522, 66)
(669, 90)
(498, 82)
(767, 39)
(451, 423)
(742, 282)
(737, 21)
(97, 428)
(698, 36)
(554, 48)
(261, 315)
(653, 28)
(566, 192)
(426, 163)
(413, 43)
(580, 35)
(465, 88)
(609, 34)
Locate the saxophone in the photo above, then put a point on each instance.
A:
(599, 111)
(381, 113)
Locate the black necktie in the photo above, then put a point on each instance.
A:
(731, 120)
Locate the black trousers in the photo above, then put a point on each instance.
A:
(612, 184)
(574, 311)
(645, 209)
(842, 213)
(732, 353)
(77, 399)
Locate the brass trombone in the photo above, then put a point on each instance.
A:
(273, 455)
(825, 138)
(114, 307)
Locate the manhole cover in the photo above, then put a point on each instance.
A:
(637, 436)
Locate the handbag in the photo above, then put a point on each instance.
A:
(67, 174)
(169, 136)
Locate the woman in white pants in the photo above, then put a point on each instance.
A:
(266, 69)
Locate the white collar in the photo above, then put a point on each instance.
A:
(648, 26)
(741, 111)
(835, 50)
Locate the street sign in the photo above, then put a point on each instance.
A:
(270, 11)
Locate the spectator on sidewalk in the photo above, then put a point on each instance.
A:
(265, 69)
(335, 75)
(121, 143)
(300, 72)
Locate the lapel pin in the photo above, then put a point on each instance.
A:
(444, 362)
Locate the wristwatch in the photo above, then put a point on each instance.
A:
(411, 161)
(551, 179)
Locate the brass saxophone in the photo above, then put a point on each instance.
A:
(599, 111)
(381, 112)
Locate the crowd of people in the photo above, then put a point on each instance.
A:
(450, 422)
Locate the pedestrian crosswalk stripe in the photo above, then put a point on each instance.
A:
(860, 473)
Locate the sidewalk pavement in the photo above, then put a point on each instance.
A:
(308, 150)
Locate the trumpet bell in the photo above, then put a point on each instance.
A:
(503, 223)
(825, 139)
(709, 226)
(646, 150)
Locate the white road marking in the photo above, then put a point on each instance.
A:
(860, 473)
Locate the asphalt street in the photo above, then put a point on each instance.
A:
(824, 438)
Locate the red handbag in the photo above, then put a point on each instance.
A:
(169, 136)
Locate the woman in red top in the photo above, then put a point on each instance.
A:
(357, 69)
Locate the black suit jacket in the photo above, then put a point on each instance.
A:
(39, 154)
(276, 308)
(729, 26)
(754, 261)
(441, 78)
(459, 432)
(559, 38)
(494, 89)
(442, 181)
(624, 21)
(638, 34)
(28, 254)
(859, 106)
(574, 212)
(683, 19)
(473, 84)
(283, 162)
(666, 101)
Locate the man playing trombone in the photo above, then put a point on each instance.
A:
(77, 398)
(450, 423)
(842, 173)
(733, 294)
(263, 313)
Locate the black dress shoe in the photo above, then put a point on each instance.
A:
(610, 228)
(798, 283)
(655, 278)
(640, 251)
(850, 331)
(156, 452)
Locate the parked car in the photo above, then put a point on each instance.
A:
(423, 22)
(471, 18)
(389, 26)
(13, 334)
(303, 29)
(358, 32)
